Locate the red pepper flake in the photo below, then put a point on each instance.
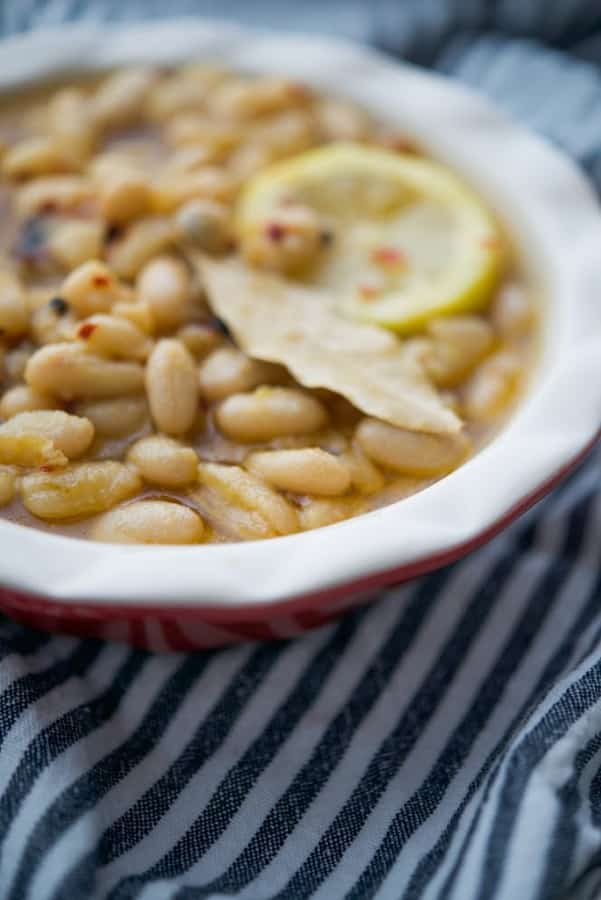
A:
(86, 330)
(47, 468)
(275, 232)
(490, 243)
(101, 280)
(368, 292)
(389, 257)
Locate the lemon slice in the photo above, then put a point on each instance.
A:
(411, 241)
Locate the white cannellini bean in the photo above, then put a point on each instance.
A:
(164, 461)
(287, 133)
(250, 492)
(13, 306)
(22, 398)
(492, 386)
(165, 285)
(365, 476)
(73, 243)
(200, 338)
(91, 288)
(68, 371)
(172, 387)
(138, 312)
(302, 231)
(458, 344)
(15, 361)
(249, 159)
(72, 435)
(143, 239)
(175, 188)
(229, 371)
(125, 196)
(120, 98)
(242, 99)
(190, 158)
(49, 326)
(109, 335)
(8, 481)
(268, 413)
(513, 312)
(322, 511)
(149, 522)
(70, 120)
(228, 520)
(411, 452)
(115, 163)
(307, 471)
(28, 450)
(188, 87)
(205, 224)
(215, 137)
(179, 92)
(339, 120)
(81, 489)
(64, 192)
(115, 418)
(43, 155)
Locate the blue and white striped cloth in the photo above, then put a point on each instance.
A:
(444, 742)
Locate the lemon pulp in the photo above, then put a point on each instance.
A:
(411, 240)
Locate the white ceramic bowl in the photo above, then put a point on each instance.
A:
(283, 585)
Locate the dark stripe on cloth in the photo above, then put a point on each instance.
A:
(61, 734)
(29, 689)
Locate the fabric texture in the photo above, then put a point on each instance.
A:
(444, 742)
